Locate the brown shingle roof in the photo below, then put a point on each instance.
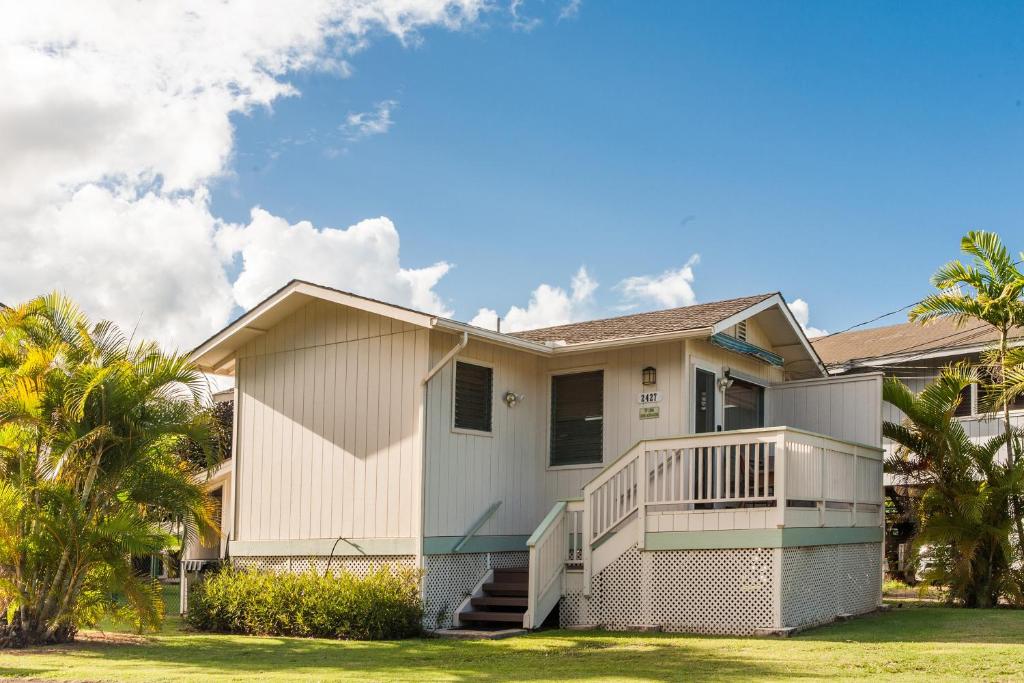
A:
(643, 324)
(905, 339)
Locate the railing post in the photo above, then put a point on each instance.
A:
(588, 521)
(780, 478)
(641, 497)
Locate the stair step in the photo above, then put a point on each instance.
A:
(504, 617)
(512, 575)
(508, 589)
(499, 601)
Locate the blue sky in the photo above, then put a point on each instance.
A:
(186, 159)
(835, 151)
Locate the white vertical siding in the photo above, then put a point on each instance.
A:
(848, 408)
(329, 434)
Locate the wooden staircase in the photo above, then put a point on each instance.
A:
(504, 600)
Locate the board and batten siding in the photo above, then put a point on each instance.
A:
(466, 473)
(847, 408)
(329, 427)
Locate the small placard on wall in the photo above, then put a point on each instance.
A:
(650, 412)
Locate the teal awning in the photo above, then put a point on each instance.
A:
(734, 344)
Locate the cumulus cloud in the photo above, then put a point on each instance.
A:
(115, 118)
(670, 289)
(802, 312)
(548, 305)
(362, 259)
(364, 124)
(570, 10)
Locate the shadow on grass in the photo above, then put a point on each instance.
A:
(923, 623)
(545, 655)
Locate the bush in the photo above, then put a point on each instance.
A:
(383, 605)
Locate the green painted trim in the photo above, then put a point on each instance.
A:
(789, 537)
(322, 547)
(556, 510)
(445, 545)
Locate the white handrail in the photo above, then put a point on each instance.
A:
(548, 549)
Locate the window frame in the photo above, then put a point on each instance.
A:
(455, 380)
(551, 374)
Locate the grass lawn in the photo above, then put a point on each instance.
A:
(911, 642)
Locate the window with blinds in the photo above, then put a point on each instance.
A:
(577, 418)
(474, 386)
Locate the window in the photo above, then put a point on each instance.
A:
(964, 408)
(473, 391)
(577, 418)
(744, 405)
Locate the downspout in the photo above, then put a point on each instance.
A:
(462, 343)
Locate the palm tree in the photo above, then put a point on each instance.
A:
(93, 427)
(965, 508)
(989, 289)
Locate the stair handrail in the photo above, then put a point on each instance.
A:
(477, 525)
(548, 546)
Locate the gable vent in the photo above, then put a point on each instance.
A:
(741, 330)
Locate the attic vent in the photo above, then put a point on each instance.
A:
(741, 330)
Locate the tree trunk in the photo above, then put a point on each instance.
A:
(1015, 502)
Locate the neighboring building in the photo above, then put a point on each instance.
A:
(915, 354)
(694, 469)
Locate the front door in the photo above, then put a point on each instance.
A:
(704, 402)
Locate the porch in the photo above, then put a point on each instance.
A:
(766, 489)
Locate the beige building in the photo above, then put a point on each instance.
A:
(693, 469)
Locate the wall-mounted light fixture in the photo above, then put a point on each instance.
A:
(512, 399)
(650, 376)
(726, 381)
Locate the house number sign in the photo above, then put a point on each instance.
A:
(648, 397)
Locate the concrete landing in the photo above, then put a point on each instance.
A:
(478, 633)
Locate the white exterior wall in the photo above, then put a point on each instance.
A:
(466, 473)
(848, 408)
(328, 426)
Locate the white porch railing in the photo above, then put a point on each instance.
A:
(720, 472)
(548, 551)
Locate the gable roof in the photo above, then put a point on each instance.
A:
(906, 341)
(680, 319)
(216, 354)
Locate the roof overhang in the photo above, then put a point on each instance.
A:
(216, 355)
(951, 352)
(788, 338)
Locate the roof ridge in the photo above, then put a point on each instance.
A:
(759, 297)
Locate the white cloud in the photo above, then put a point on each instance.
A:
(362, 259)
(521, 22)
(115, 117)
(670, 289)
(364, 124)
(548, 306)
(570, 10)
(802, 312)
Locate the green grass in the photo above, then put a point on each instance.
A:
(920, 643)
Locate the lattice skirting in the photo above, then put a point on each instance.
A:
(820, 582)
(728, 591)
(697, 591)
(360, 565)
(450, 578)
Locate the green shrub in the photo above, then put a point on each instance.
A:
(383, 605)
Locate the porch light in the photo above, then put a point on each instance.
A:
(650, 376)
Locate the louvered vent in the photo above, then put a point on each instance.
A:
(741, 330)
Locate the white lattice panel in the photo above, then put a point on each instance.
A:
(819, 582)
(570, 612)
(359, 565)
(713, 591)
(450, 578)
(616, 597)
(809, 585)
(860, 585)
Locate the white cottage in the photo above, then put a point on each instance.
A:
(693, 469)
